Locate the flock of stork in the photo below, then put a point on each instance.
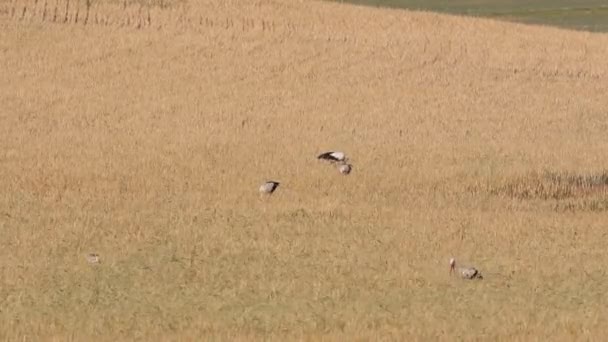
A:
(339, 158)
(334, 157)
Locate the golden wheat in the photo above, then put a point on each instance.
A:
(143, 133)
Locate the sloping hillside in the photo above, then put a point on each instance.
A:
(143, 132)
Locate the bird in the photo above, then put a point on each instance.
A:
(93, 258)
(345, 168)
(268, 188)
(464, 272)
(333, 156)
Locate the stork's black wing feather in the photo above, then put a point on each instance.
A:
(275, 185)
(327, 156)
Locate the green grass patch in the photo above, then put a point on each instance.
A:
(588, 15)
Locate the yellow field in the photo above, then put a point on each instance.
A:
(142, 134)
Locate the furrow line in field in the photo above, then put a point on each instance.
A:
(140, 17)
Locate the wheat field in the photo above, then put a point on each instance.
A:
(141, 131)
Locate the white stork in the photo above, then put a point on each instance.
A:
(268, 188)
(333, 156)
(345, 169)
(464, 272)
(93, 258)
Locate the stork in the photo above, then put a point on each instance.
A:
(268, 188)
(464, 272)
(333, 156)
(93, 258)
(345, 169)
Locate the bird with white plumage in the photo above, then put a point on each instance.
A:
(333, 156)
(345, 169)
(268, 188)
(464, 272)
(93, 258)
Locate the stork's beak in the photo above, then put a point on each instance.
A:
(451, 269)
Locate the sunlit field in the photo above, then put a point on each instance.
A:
(142, 132)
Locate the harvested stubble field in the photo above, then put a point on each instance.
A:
(143, 132)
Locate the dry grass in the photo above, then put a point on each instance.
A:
(144, 133)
